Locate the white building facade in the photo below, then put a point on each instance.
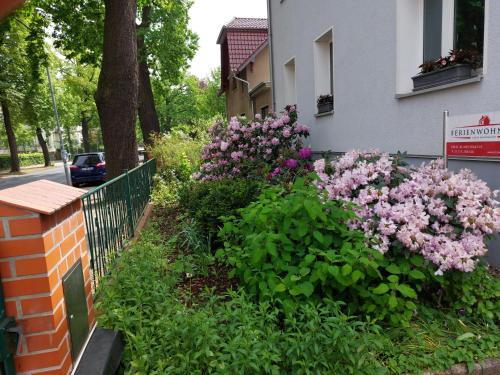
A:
(364, 53)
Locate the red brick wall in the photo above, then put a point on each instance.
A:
(35, 253)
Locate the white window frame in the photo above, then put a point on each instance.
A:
(322, 57)
(290, 81)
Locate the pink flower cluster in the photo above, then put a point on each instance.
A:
(243, 149)
(442, 215)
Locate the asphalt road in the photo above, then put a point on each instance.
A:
(55, 174)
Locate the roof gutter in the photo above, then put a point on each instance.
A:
(271, 50)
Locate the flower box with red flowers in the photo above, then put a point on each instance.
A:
(459, 65)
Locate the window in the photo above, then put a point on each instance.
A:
(289, 83)
(324, 64)
(429, 29)
(469, 25)
(433, 25)
(264, 111)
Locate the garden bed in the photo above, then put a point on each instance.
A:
(174, 326)
(259, 261)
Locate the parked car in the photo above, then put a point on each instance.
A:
(87, 168)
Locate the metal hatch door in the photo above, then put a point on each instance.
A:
(76, 308)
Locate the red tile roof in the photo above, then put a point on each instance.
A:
(242, 45)
(41, 196)
(247, 23)
(239, 39)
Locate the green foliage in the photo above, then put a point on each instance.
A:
(223, 336)
(177, 158)
(292, 247)
(191, 103)
(26, 160)
(232, 334)
(437, 340)
(207, 201)
(475, 294)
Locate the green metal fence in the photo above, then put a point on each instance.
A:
(112, 212)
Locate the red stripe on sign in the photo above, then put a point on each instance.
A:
(474, 149)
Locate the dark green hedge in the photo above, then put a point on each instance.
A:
(26, 160)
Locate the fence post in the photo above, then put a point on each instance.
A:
(129, 203)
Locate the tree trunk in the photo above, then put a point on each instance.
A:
(43, 145)
(85, 133)
(147, 110)
(11, 138)
(117, 89)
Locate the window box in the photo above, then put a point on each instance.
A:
(325, 104)
(444, 76)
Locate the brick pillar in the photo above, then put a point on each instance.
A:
(42, 235)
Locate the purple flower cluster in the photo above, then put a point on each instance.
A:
(442, 215)
(242, 149)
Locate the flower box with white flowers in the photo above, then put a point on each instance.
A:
(459, 65)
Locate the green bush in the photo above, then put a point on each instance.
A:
(26, 160)
(293, 247)
(177, 157)
(207, 201)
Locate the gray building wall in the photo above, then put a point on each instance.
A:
(367, 112)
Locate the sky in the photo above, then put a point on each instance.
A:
(207, 18)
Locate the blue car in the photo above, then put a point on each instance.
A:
(88, 168)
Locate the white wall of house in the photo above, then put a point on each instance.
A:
(378, 46)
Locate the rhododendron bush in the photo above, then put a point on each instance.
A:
(442, 215)
(272, 146)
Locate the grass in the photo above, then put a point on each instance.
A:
(171, 327)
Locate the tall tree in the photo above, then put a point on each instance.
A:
(117, 88)
(147, 109)
(164, 41)
(80, 83)
(165, 45)
(11, 138)
(13, 61)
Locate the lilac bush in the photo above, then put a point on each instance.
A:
(258, 148)
(444, 216)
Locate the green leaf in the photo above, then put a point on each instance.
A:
(303, 229)
(393, 278)
(280, 288)
(318, 236)
(257, 255)
(393, 269)
(417, 260)
(346, 269)
(407, 291)
(417, 275)
(271, 248)
(381, 289)
(306, 288)
(312, 209)
(309, 258)
(393, 301)
(356, 275)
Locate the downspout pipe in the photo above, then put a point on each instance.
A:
(271, 50)
(248, 89)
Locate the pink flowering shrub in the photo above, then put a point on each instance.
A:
(264, 147)
(444, 216)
